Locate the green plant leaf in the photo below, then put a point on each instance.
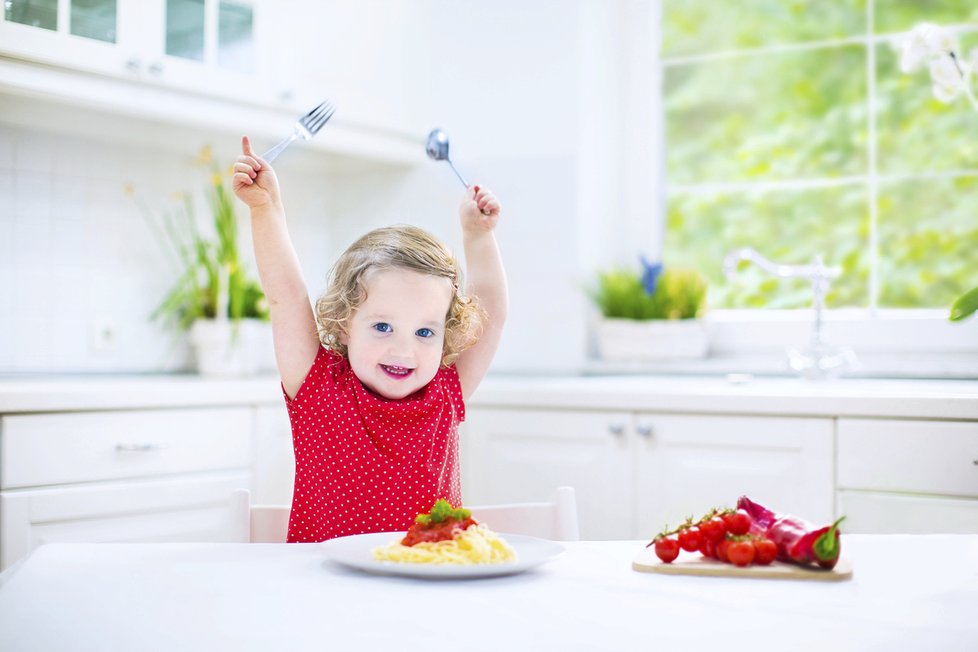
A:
(965, 305)
(679, 294)
(201, 260)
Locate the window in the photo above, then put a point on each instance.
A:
(789, 128)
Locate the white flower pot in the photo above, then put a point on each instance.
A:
(629, 340)
(231, 348)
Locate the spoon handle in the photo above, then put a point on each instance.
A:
(464, 182)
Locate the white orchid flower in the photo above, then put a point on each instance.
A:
(924, 42)
(948, 82)
(934, 46)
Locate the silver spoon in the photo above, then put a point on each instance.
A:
(437, 148)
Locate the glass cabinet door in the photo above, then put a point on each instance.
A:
(36, 13)
(214, 32)
(94, 19)
(207, 46)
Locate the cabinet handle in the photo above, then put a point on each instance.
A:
(156, 68)
(645, 431)
(138, 448)
(133, 65)
(975, 462)
(616, 429)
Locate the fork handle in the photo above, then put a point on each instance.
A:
(273, 153)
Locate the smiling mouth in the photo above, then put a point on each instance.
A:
(396, 372)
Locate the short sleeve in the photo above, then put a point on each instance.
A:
(323, 368)
(448, 377)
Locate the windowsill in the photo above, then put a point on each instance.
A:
(952, 366)
(886, 344)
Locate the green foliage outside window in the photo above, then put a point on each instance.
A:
(769, 145)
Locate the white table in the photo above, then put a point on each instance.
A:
(907, 593)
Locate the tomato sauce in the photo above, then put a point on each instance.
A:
(433, 532)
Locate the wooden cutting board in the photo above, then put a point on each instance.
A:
(694, 564)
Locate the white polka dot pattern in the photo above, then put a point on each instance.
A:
(364, 463)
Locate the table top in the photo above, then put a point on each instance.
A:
(907, 593)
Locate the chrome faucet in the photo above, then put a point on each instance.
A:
(820, 359)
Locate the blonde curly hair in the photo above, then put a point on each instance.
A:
(396, 247)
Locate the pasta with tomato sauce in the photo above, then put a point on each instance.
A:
(447, 536)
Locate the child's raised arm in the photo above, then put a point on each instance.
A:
(293, 323)
(479, 213)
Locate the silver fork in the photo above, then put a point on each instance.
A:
(306, 127)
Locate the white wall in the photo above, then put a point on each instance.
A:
(530, 93)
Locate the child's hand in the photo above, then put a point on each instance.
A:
(479, 209)
(254, 181)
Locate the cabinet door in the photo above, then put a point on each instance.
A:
(274, 456)
(688, 464)
(85, 35)
(186, 508)
(873, 512)
(512, 456)
(207, 46)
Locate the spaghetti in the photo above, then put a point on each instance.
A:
(476, 544)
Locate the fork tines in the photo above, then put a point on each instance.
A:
(317, 117)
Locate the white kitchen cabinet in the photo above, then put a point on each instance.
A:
(274, 456)
(213, 47)
(172, 69)
(127, 475)
(686, 464)
(523, 455)
(901, 475)
(636, 471)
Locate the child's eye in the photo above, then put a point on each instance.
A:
(424, 332)
(382, 327)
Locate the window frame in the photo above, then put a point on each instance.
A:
(913, 341)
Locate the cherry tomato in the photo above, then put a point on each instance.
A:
(667, 548)
(713, 529)
(740, 553)
(708, 549)
(722, 550)
(690, 538)
(737, 523)
(765, 551)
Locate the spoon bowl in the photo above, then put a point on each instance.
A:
(437, 149)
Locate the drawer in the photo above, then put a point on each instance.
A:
(192, 507)
(47, 449)
(931, 457)
(869, 512)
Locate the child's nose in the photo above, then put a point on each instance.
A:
(401, 346)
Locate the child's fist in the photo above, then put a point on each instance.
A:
(480, 208)
(254, 181)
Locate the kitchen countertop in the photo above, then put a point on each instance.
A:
(121, 392)
(931, 399)
(739, 394)
(906, 593)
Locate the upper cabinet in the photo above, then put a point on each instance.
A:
(225, 65)
(206, 46)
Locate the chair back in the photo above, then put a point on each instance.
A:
(555, 520)
(257, 523)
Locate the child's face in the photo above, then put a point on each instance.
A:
(394, 339)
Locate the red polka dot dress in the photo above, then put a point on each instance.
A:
(364, 463)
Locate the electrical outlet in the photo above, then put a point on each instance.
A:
(103, 336)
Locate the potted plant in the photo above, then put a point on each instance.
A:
(214, 299)
(652, 314)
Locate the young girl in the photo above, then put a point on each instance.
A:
(376, 393)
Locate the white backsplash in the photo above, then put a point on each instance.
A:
(80, 267)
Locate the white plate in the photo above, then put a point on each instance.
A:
(355, 552)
